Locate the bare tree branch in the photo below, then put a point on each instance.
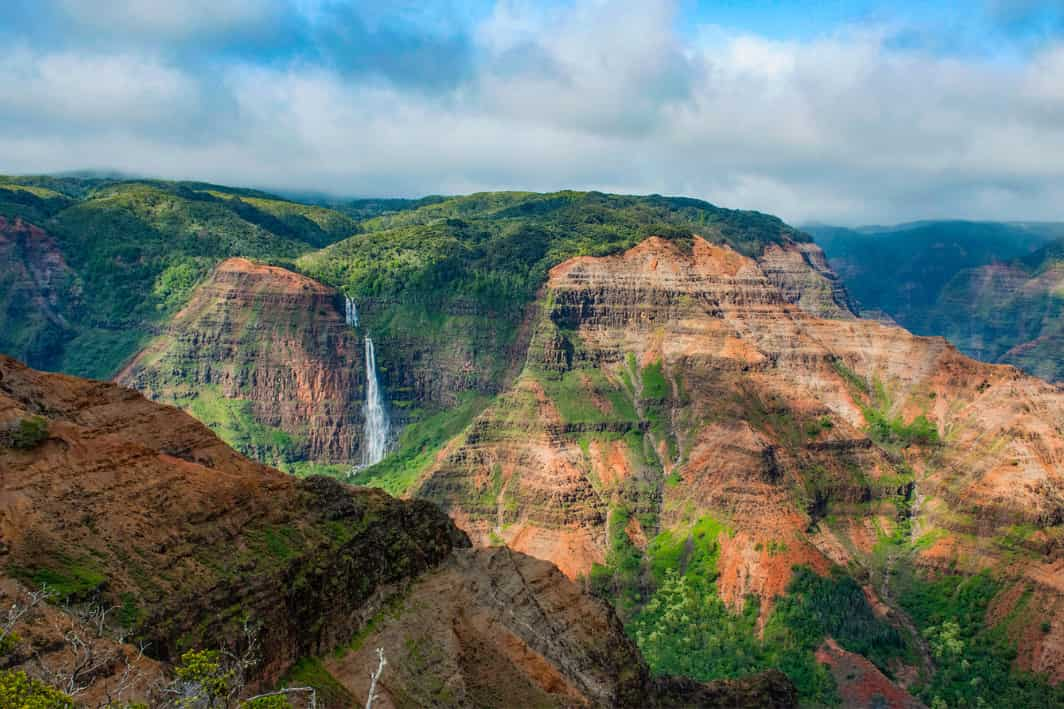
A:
(18, 611)
(373, 677)
(290, 690)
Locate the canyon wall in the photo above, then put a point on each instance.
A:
(137, 504)
(663, 386)
(265, 357)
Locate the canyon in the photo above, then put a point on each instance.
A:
(669, 405)
(192, 541)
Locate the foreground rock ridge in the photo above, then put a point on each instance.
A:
(107, 496)
(664, 384)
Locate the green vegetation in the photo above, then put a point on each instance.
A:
(974, 661)
(834, 606)
(18, 691)
(418, 444)
(272, 701)
(208, 682)
(691, 553)
(69, 579)
(621, 579)
(893, 431)
(310, 672)
(233, 421)
(587, 396)
(508, 240)
(679, 621)
(885, 429)
(26, 433)
(135, 250)
(654, 384)
(312, 224)
(489, 253)
(686, 629)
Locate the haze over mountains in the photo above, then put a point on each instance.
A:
(996, 290)
(673, 404)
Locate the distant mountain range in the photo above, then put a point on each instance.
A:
(996, 290)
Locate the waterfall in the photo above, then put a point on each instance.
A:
(376, 429)
(350, 311)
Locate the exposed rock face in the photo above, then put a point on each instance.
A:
(860, 683)
(802, 274)
(697, 368)
(275, 340)
(35, 287)
(137, 500)
(141, 504)
(493, 628)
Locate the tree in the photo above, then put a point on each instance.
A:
(209, 679)
(16, 612)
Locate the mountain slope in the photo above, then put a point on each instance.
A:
(137, 504)
(675, 406)
(263, 356)
(994, 290)
(131, 253)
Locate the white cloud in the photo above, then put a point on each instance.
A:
(171, 19)
(84, 91)
(603, 95)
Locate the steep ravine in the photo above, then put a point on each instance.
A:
(138, 505)
(269, 359)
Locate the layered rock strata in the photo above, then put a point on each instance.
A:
(272, 348)
(110, 498)
(663, 386)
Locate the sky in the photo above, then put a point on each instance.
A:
(838, 112)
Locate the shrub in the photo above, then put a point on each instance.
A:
(26, 433)
(19, 690)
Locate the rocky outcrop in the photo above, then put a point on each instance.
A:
(860, 683)
(260, 346)
(36, 286)
(493, 628)
(670, 385)
(143, 505)
(581, 434)
(802, 274)
(138, 505)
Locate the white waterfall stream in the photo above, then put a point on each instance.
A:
(350, 312)
(376, 429)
